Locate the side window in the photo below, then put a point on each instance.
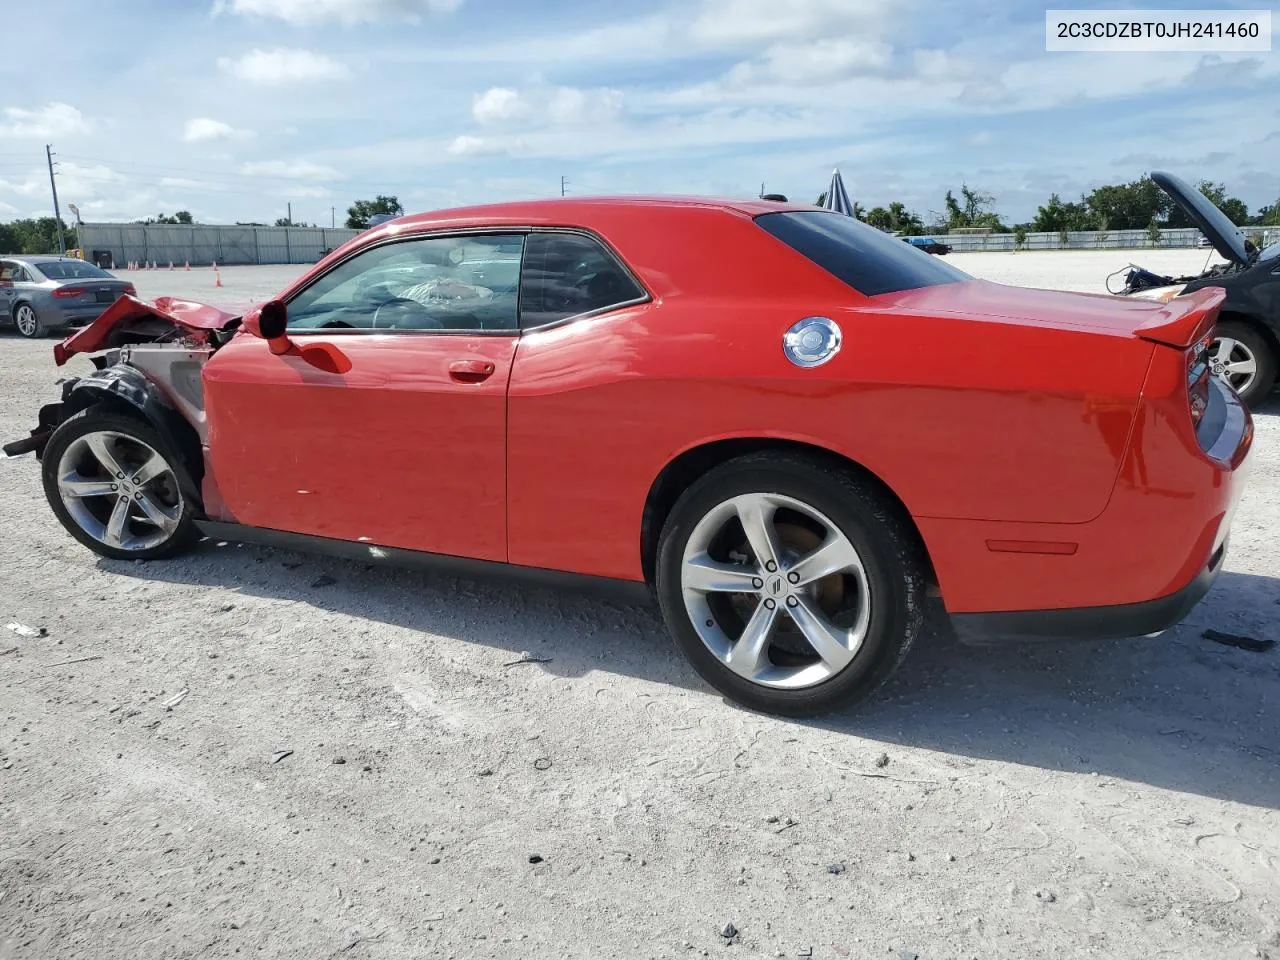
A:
(429, 283)
(8, 271)
(21, 274)
(566, 274)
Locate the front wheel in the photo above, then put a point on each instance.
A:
(1242, 357)
(793, 586)
(28, 324)
(116, 486)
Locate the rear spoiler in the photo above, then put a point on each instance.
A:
(1184, 320)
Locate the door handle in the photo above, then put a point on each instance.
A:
(471, 371)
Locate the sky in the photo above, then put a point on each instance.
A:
(234, 109)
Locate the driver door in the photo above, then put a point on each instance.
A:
(406, 447)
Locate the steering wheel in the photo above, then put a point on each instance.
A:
(395, 312)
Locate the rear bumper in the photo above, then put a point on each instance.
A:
(1091, 623)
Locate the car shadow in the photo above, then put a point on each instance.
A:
(1177, 711)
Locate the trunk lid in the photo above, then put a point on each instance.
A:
(1177, 323)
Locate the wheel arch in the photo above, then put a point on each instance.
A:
(685, 468)
(125, 390)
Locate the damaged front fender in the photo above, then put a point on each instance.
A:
(129, 320)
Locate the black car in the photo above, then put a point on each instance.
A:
(1247, 345)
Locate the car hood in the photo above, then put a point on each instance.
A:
(1226, 237)
(127, 314)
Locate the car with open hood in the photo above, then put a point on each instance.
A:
(690, 400)
(1246, 351)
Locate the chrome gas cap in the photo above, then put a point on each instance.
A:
(811, 342)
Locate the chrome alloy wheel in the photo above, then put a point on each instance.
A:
(1233, 362)
(25, 320)
(119, 490)
(775, 591)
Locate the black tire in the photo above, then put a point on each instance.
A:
(871, 522)
(25, 316)
(95, 419)
(1256, 342)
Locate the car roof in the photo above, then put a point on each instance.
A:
(35, 259)
(582, 210)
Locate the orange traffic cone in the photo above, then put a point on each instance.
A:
(217, 277)
(186, 264)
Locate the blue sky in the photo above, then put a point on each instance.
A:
(234, 108)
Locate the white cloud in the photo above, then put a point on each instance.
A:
(818, 61)
(498, 105)
(746, 22)
(307, 192)
(468, 146)
(569, 105)
(283, 65)
(52, 120)
(200, 129)
(346, 12)
(289, 170)
(979, 139)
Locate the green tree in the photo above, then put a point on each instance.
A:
(905, 221)
(1019, 237)
(39, 235)
(183, 216)
(358, 213)
(879, 218)
(975, 211)
(1056, 216)
(822, 199)
(1153, 232)
(1128, 206)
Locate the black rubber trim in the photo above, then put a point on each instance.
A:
(1090, 623)
(627, 591)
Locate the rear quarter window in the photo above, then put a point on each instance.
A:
(868, 260)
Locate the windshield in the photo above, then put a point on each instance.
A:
(70, 270)
(870, 261)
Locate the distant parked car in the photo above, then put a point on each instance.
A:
(38, 294)
(1204, 241)
(929, 245)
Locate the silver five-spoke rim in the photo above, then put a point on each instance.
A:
(119, 490)
(26, 320)
(776, 591)
(1234, 362)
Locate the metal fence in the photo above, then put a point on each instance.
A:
(1085, 240)
(163, 243)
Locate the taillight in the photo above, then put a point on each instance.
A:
(67, 293)
(1198, 379)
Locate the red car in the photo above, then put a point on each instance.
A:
(789, 427)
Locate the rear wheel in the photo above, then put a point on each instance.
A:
(25, 319)
(792, 586)
(1242, 357)
(115, 485)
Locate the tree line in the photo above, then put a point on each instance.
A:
(1137, 205)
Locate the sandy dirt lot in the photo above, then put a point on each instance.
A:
(1112, 800)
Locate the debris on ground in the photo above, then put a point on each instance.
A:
(728, 931)
(176, 699)
(1252, 644)
(339, 760)
(542, 763)
(1046, 896)
(526, 657)
(486, 772)
(10, 650)
(324, 580)
(63, 663)
(535, 858)
(280, 755)
(22, 630)
(836, 868)
(882, 761)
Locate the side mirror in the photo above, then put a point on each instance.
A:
(269, 322)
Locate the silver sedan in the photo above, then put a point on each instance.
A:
(38, 294)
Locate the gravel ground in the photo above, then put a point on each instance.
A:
(1114, 800)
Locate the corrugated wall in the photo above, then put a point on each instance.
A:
(204, 244)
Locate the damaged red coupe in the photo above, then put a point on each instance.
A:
(787, 426)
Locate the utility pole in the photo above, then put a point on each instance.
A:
(761, 188)
(290, 206)
(333, 217)
(564, 182)
(57, 214)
